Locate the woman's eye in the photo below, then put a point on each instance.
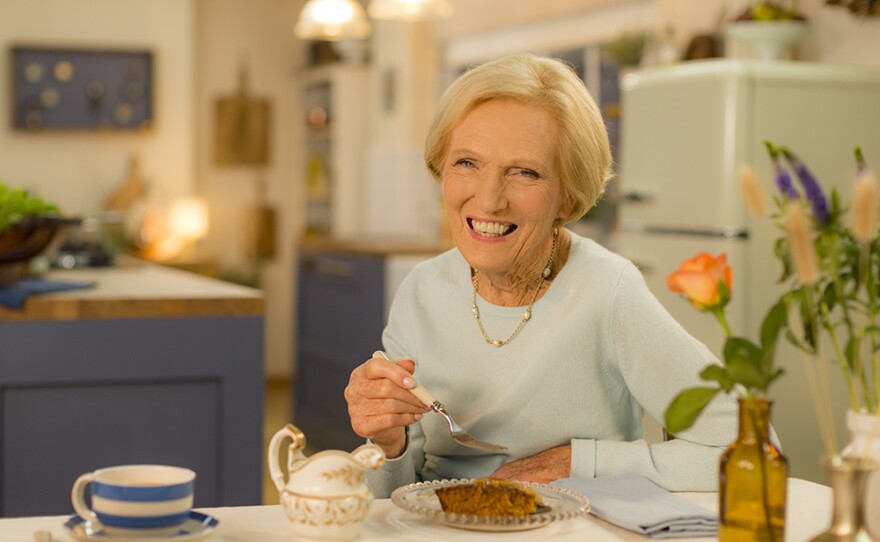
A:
(529, 173)
(464, 162)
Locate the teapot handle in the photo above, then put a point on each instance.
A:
(299, 442)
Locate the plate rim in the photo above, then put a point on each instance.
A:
(471, 521)
(206, 521)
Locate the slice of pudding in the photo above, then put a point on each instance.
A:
(489, 497)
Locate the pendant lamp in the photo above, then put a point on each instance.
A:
(332, 20)
(410, 10)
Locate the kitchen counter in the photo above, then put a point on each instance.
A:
(152, 365)
(375, 246)
(138, 290)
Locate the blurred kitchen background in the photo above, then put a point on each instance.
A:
(294, 165)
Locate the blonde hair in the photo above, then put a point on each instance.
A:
(583, 157)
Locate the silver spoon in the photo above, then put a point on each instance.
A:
(458, 434)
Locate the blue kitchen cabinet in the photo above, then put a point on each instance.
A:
(341, 315)
(344, 293)
(151, 366)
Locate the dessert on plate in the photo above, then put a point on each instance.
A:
(489, 497)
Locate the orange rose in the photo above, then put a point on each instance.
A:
(705, 281)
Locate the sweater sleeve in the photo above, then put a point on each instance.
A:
(657, 359)
(401, 470)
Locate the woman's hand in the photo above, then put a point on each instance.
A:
(380, 405)
(542, 468)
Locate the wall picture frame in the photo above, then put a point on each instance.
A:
(80, 89)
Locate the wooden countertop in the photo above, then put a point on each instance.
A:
(375, 246)
(139, 290)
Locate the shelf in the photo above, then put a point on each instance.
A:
(335, 131)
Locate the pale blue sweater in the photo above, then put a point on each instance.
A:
(598, 349)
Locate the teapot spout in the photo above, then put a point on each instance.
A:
(369, 456)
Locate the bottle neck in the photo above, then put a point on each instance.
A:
(754, 418)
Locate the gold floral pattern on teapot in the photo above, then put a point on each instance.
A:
(325, 495)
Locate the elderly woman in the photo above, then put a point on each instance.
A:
(532, 336)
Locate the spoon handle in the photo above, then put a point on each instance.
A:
(419, 391)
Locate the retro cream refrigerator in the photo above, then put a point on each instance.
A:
(685, 131)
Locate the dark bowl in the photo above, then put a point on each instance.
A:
(25, 240)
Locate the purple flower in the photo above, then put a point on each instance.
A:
(783, 182)
(783, 179)
(812, 190)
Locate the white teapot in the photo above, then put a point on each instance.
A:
(325, 496)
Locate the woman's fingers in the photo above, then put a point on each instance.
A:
(379, 378)
(379, 402)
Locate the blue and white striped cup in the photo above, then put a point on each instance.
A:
(136, 500)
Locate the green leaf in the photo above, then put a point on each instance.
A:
(807, 321)
(776, 319)
(799, 344)
(835, 203)
(780, 250)
(852, 350)
(687, 406)
(747, 372)
(738, 347)
(830, 296)
(718, 374)
(744, 362)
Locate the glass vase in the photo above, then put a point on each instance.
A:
(864, 445)
(864, 430)
(849, 481)
(752, 480)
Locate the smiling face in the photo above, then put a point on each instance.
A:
(502, 189)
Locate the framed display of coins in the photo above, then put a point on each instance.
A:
(81, 89)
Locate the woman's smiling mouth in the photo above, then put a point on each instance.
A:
(490, 229)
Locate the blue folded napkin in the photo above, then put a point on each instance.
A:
(15, 296)
(633, 502)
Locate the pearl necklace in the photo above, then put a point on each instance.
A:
(475, 279)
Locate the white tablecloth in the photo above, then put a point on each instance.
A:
(808, 513)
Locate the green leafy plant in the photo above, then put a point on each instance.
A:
(628, 48)
(831, 272)
(17, 203)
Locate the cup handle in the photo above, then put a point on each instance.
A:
(77, 497)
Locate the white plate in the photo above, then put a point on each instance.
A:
(559, 504)
(197, 527)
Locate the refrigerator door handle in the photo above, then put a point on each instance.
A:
(724, 232)
(636, 196)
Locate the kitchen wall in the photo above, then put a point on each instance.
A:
(257, 36)
(499, 26)
(200, 45)
(78, 170)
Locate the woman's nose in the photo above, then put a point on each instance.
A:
(491, 193)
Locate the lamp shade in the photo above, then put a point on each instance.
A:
(332, 20)
(410, 10)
